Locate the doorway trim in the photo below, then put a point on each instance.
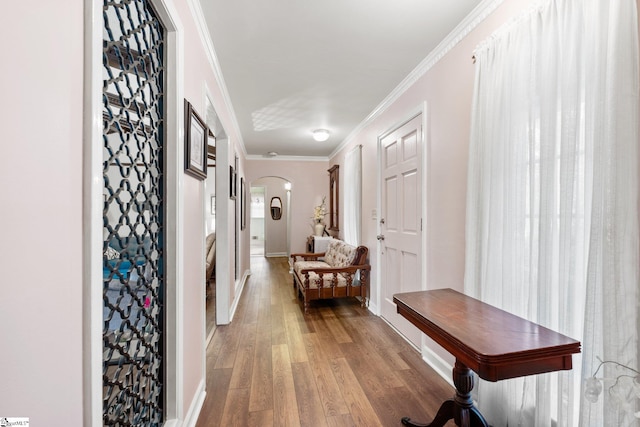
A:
(424, 164)
(206, 207)
(268, 194)
(92, 214)
(251, 218)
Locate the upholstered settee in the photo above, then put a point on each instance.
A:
(332, 274)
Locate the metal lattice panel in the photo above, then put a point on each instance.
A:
(133, 273)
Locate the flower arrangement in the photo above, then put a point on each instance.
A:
(618, 392)
(320, 211)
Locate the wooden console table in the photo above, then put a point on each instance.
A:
(491, 342)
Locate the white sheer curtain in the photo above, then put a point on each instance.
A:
(353, 196)
(552, 205)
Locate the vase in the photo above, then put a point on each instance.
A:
(318, 228)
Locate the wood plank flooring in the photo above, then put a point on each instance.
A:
(337, 366)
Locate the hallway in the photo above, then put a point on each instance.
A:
(337, 366)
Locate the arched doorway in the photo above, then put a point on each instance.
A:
(272, 231)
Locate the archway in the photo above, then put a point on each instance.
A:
(272, 230)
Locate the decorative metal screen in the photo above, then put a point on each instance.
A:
(133, 272)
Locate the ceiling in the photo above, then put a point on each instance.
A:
(292, 66)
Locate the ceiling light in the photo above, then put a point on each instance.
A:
(320, 135)
(272, 154)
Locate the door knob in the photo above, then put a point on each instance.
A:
(380, 237)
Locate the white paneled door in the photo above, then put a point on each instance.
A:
(400, 220)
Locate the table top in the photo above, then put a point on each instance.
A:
(494, 343)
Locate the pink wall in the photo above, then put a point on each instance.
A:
(197, 70)
(310, 182)
(447, 89)
(41, 212)
(198, 75)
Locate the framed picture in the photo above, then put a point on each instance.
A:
(243, 205)
(195, 143)
(232, 183)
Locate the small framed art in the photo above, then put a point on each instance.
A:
(243, 205)
(195, 143)
(233, 186)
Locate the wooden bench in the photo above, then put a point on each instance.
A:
(334, 276)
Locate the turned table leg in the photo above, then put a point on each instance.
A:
(460, 408)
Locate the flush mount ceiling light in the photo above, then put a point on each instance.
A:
(320, 135)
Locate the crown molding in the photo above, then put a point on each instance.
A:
(207, 43)
(468, 24)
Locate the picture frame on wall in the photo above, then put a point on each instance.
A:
(243, 205)
(232, 183)
(195, 143)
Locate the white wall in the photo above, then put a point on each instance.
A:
(41, 109)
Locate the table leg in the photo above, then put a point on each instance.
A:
(460, 408)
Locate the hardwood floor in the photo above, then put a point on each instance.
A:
(337, 366)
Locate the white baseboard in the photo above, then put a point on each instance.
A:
(191, 418)
(441, 366)
(373, 308)
(239, 289)
(276, 254)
